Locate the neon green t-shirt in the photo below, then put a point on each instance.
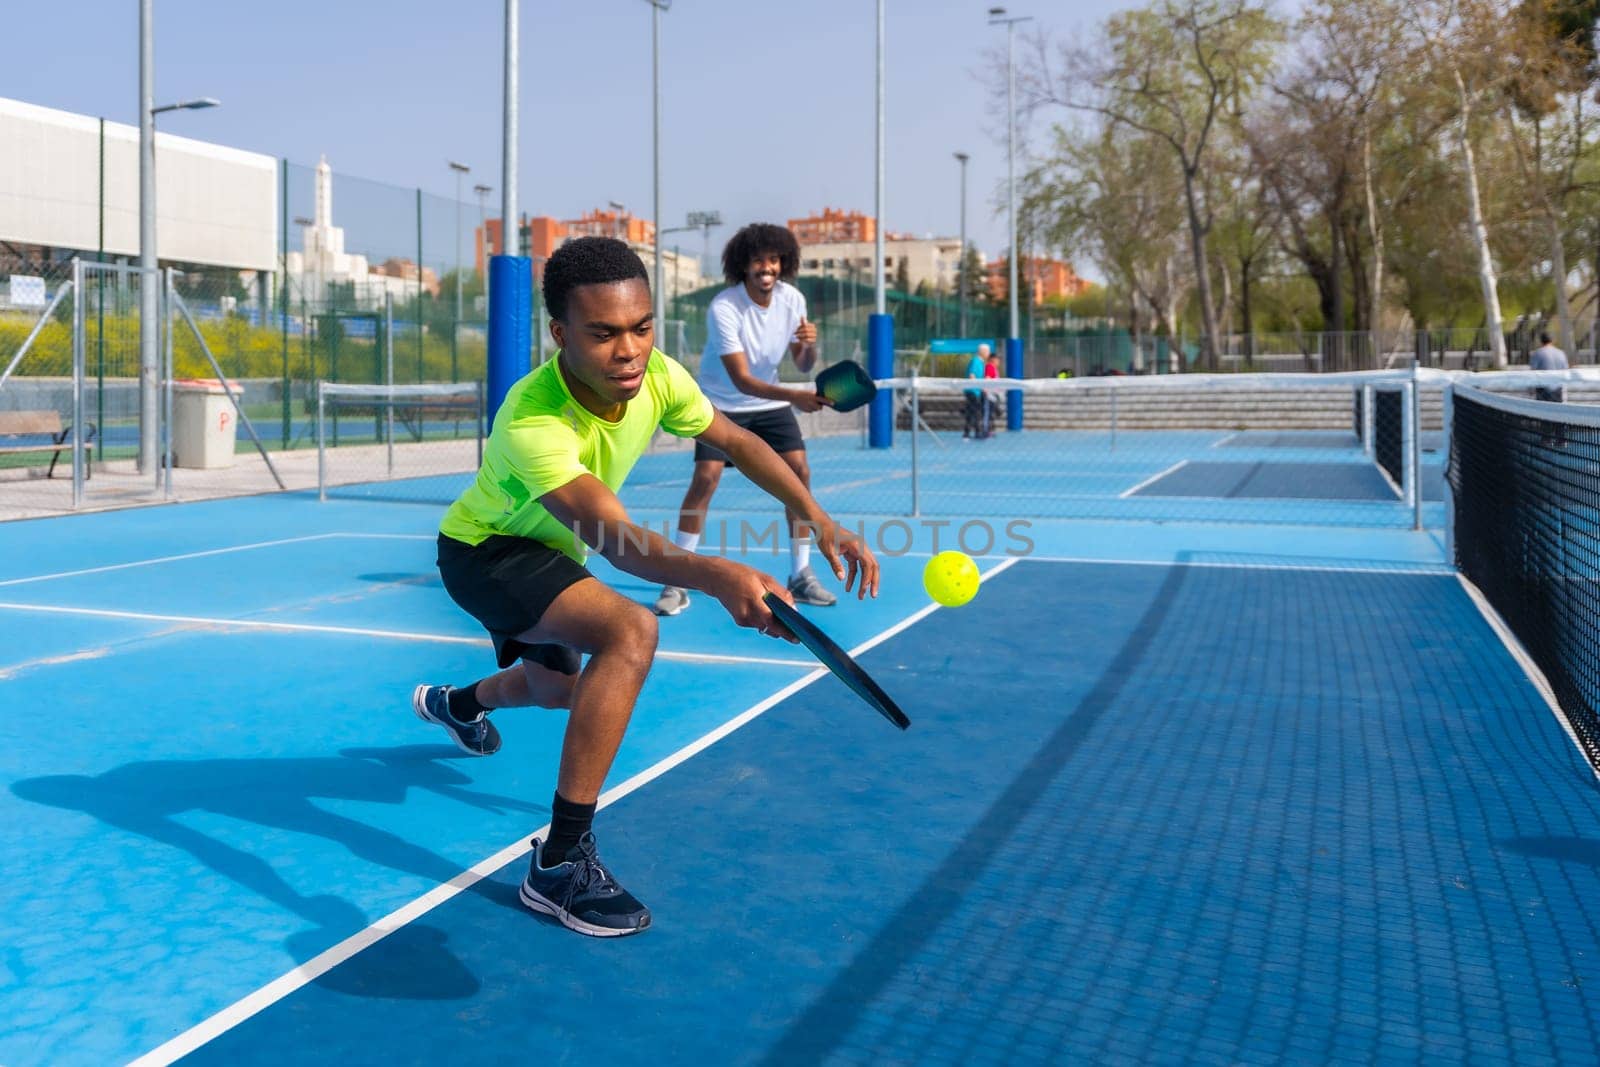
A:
(543, 438)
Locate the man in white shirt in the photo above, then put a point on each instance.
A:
(1548, 357)
(750, 327)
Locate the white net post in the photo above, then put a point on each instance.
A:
(1367, 402)
(388, 373)
(1408, 441)
(166, 391)
(77, 381)
(322, 455)
(916, 415)
(1449, 492)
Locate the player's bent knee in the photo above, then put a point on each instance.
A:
(633, 635)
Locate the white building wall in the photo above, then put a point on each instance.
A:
(214, 205)
(934, 260)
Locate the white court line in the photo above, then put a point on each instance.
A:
(216, 552)
(172, 559)
(1383, 567)
(317, 966)
(211, 622)
(1225, 440)
(1525, 661)
(1156, 477)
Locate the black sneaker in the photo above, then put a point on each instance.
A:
(476, 738)
(581, 893)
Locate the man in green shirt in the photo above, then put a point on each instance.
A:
(511, 552)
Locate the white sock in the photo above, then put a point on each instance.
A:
(686, 541)
(800, 554)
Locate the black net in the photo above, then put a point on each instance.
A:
(1388, 433)
(1526, 484)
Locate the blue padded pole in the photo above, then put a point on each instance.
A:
(1014, 396)
(510, 325)
(880, 365)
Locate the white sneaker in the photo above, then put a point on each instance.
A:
(672, 600)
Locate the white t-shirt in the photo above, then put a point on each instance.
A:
(735, 323)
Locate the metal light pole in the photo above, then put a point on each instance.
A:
(149, 300)
(696, 220)
(998, 17)
(705, 220)
(508, 139)
(510, 275)
(460, 169)
(880, 301)
(961, 263)
(656, 8)
(880, 327)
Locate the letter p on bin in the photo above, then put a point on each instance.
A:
(204, 423)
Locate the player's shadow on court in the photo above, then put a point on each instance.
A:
(1562, 849)
(148, 798)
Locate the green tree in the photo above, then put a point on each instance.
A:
(1172, 71)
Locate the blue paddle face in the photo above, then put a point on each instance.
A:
(837, 660)
(847, 385)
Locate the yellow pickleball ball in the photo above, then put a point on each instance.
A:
(951, 578)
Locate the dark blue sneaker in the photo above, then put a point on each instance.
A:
(432, 704)
(581, 893)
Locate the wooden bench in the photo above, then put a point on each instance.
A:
(20, 429)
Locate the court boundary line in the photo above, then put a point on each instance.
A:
(220, 1022)
(359, 631)
(214, 552)
(1156, 477)
(1439, 570)
(1513, 645)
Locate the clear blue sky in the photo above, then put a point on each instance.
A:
(767, 107)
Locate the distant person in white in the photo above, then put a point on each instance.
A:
(1548, 357)
(750, 327)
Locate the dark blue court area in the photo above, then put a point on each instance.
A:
(1186, 796)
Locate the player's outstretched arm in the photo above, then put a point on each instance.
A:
(757, 461)
(589, 508)
(806, 397)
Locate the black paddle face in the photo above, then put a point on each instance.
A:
(847, 385)
(836, 660)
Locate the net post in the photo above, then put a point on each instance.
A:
(1408, 442)
(1450, 467)
(167, 289)
(388, 367)
(1416, 447)
(322, 472)
(916, 417)
(77, 380)
(1367, 403)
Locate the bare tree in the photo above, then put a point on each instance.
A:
(1170, 71)
(1459, 45)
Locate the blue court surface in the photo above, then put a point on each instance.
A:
(1173, 793)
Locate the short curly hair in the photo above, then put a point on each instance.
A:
(760, 238)
(588, 261)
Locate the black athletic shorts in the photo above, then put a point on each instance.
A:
(776, 426)
(506, 583)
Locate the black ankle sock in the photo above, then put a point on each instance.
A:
(464, 706)
(568, 822)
